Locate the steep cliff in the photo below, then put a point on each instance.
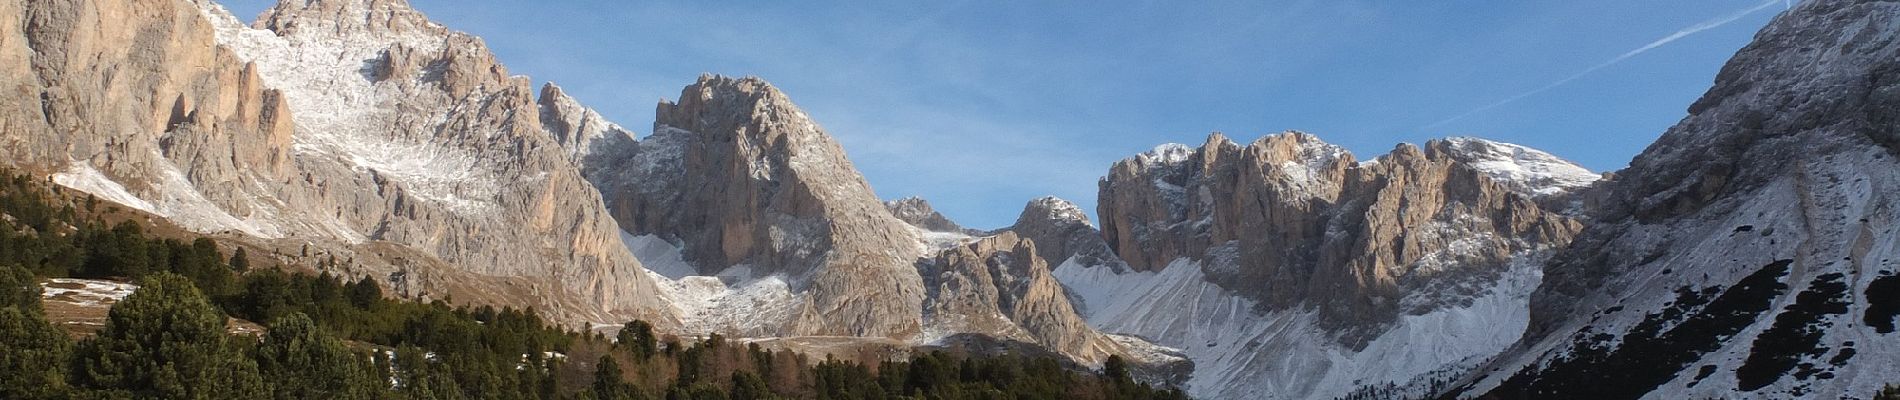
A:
(349, 128)
(1287, 269)
(1292, 221)
(1000, 286)
(741, 177)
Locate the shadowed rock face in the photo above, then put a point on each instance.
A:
(356, 128)
(740, 175)
(1292, 220)
(1062, 233)
(1787, 163)
(1000, 286)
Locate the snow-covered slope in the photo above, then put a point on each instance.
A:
(1240, 353)
(1749, 252)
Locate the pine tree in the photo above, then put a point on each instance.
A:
(748, 386)
(637, 336)
(240, 260)
(34, 350)
(608, 384)
(166, 341)
(18, 288)
(1116, 370)
(303, 362)
(205, 267)
(420, 379)
(364, 294)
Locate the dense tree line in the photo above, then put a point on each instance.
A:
(329, 337)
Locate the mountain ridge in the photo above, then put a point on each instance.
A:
(1283, 267)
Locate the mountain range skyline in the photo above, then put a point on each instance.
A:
(979, 107)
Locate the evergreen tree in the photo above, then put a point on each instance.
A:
(748, 386)
(204, 266)
(1116, 370)
(697, 391)
(364, 294)
(240, 260)
(419, 379)
(608, 384)
(637, 337)
(165, 341)
(303, 362)
(18, 288)
(33, 352)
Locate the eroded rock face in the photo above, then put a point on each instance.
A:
(355, 127)
(1293, 220)
(1000, 286)
(740, 175)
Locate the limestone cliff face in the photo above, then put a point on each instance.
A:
(1002, 287)
(356, 127)
(741, 176)
(1295, 221)
(124, 83)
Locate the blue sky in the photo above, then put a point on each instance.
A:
(981, 106)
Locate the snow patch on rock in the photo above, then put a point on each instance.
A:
(340, 112)
(1526, 169)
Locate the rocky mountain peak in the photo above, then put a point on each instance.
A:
(1062, 232)
(917, 212)
(575, 126)
(1294, 220)
(741, 176)
(345, 18)
(1051, 209)
(1298, 147)
(1002, 287)
(717, 99)
(1526, 170)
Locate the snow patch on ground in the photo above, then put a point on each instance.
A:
(658, 255)
(87, 179)
(734, 302)
(1239, 353)
(86, 292)
(172, 197)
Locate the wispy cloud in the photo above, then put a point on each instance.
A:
(1679, 34)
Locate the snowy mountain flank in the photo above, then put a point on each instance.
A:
(1750, 251)
(1746, 254)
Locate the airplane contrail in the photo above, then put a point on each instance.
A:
(1684, 32)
